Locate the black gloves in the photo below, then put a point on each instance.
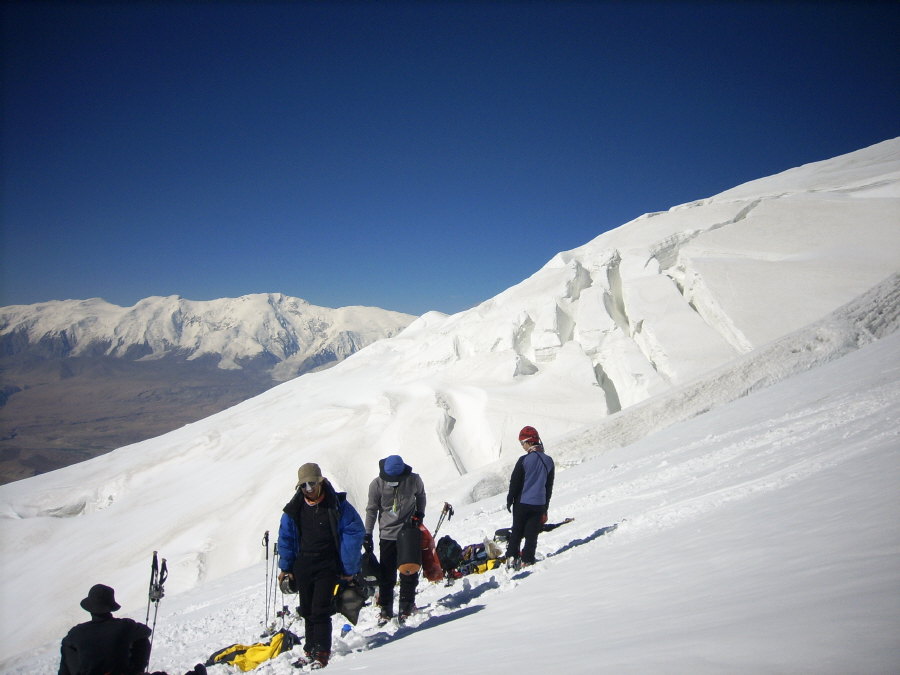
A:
(368, 543)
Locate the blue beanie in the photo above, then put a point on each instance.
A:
(393, 465)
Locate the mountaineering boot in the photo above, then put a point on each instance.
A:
(313, 660)
(514, 563)
(320, 660)
(384, 616)
(406, 609)
(305, 660)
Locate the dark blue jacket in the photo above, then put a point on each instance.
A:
(346, 526)
(532, 480)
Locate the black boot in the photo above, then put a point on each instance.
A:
(406, 609)
(384, 615)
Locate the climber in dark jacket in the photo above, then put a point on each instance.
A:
(319, 542)
(530, 488)
(105, 644)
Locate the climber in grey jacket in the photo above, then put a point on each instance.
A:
(395, 496)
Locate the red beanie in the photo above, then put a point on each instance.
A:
(529, 434)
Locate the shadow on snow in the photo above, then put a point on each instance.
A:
(586, 540)
(431, 622)
(468, 593)
(458, 602)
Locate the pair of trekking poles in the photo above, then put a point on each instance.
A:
(271, 589)
(158, 575)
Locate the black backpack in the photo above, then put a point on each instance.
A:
(449, 552)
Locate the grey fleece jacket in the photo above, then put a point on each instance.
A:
(393, 500)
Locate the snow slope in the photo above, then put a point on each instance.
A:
(761, 537)
(738, 319)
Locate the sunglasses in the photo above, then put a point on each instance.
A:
(309, 486)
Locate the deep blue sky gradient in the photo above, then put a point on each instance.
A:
(407, 155)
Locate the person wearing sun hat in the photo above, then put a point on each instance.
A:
(396, 495)
(319, 542)
(530, 488)
(105, 644)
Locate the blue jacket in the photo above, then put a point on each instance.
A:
(532, 480)
(346, 526)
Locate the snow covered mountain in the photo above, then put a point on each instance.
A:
(756, 329)
(286, 334)
(82, 377)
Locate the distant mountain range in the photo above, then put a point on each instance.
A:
(81, 377)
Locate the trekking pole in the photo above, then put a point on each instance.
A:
(154, 572)
(447, 512)
(273, 581)
(265, 543)
(158, 576)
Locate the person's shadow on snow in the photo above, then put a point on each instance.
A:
(431, 622)
(586, 540)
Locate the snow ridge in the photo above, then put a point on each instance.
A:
(285, 333)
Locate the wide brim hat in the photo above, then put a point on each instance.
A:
(309, 473)
(100, 600)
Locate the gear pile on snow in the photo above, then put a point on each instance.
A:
(248, 657)
(458, 561)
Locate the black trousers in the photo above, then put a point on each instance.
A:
(408, 582)
(316, 578)
(526, 524)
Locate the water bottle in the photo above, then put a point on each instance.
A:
(345, 629)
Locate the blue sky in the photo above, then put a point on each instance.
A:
(407, 155)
